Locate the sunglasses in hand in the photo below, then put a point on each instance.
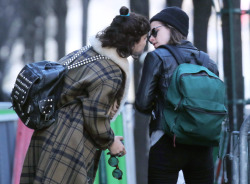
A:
(113, 162)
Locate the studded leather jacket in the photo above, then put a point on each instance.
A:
(158, 69)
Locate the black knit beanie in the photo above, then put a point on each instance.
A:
(174, 17)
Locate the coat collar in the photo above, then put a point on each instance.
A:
(121, 62)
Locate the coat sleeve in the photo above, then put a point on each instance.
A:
(95, 110)
(148, 85)
(212, 66)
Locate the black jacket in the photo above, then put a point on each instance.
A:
(157, 72)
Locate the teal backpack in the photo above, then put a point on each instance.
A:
(195, 103)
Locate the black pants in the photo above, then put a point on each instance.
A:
(165, 162)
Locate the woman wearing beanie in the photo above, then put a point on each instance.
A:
(167, 157)
(68, 151)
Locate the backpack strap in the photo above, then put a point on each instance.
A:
(174, 51)
(201, 59)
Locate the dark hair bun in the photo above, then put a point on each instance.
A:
(124, 10)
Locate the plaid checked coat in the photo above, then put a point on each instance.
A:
(69, 150)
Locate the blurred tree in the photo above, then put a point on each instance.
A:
(141, 121)
(85, 7)
(25, 20)
(60, 9)
(202, 12)
(10, 27)
(177, 3)
(33, 16)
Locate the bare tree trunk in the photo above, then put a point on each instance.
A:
(232, 55)
(33, 15)
(141, 121)
(177, 3)
(10, 29)
(85, 4)
(202, 12)
(60, 9)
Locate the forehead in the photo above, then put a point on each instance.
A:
(155, 24)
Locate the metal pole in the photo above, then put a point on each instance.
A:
(235, 174)
(248, 157)
(231, 12)
(248, 102)
(245, 127)
(234, 156)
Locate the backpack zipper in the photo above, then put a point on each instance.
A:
(205, 111)
(174, 141)
(177, 106)
(201, 73)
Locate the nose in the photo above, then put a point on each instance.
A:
(151, 39)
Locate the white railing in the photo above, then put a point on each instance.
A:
(8, 116)
(8, 126)
(239, 154)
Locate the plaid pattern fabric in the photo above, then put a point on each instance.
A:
(69, 150)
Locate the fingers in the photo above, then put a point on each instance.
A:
(114, 109)
(122, 153)
(116, 106)
(119, 137)
(112, 114)
(117, 148)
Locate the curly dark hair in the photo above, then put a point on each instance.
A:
(124, 32)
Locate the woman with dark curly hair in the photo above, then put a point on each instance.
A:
(69, 150)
